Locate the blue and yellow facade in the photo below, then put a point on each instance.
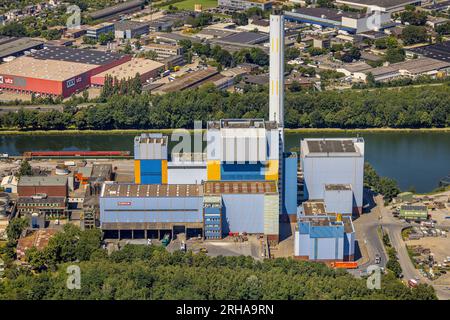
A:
(150, 171)
(150, 159)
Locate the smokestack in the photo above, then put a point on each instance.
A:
(276, 89)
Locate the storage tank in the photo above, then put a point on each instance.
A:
(61, 170)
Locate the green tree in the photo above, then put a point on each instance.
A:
(25, 169)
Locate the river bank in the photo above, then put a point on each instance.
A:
(169, 131)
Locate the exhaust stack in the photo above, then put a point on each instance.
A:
(276, 89)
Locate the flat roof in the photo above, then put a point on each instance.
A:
(116, 9)
(240, 187)
(438, 51)
(188, 80)
(130, 68)
(42, 181)
(94, 57)
(313, 208)
(326, 13)
(11, 46)
(128, 25)
(414, 208)
(414, 66)
(335, 187)
(43, 69)
(379, 3)
(131, 190)
(331, 146)
(157, 138)
(246, 37)
(328, 221)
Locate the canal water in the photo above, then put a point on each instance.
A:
(414, 159)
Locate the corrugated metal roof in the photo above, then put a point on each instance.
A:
(236, 187)
(132, 190)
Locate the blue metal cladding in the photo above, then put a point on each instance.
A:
(212, 223)
(242, 171)
(243, 213)
(303, 227)
(151, 171)
(349, 244)
(290, 184)
(160, 209)
(327, 231)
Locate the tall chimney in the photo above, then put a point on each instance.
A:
(276, 85)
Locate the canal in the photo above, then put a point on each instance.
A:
(414, 159)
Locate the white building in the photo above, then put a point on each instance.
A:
(379, 5)
(328, 163)
(9, 184)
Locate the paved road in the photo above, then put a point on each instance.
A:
(368, 240)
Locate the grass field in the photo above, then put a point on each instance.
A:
(189, 4)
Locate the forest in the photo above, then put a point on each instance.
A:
(150, 272)
(128, 108)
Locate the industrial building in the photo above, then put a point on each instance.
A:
(57, 71)
(407, 69)
(245, 4)
(323, 236)
(41, 198)
(332, 169)
(99, 29)
(351, 22)
(51, 186)
(243, 182)
(438, 51)
(119, 9)
(379, 5)
(15, 47)
(126, 29)
(146, 69)
(164, 50)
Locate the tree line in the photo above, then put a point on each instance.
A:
(408, 107)
(150, 272)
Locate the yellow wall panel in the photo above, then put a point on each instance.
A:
(213, 170)
(137, 171)
(164, 177)
(272, 170)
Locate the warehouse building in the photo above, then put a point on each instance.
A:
(126, 29)
(351, 22)
(99, 29)
(57, 71)
(117, 10)
(379, 5)
(151, 210)
(15, 47)
(322, 236)
(146, 68)
(59, 78)
(245, 4)
(408, 69)
(52, 186)
(42, 198)
(332, 166)
(164, 50)
(212, 209)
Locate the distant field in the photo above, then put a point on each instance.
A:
(189, 4)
